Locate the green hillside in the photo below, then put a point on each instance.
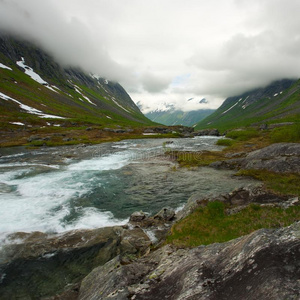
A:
(278, 102)
(37, 92)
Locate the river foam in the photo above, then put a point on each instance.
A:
(102, 189)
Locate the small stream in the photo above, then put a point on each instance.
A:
(64, 188)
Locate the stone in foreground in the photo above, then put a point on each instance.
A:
(262, 265)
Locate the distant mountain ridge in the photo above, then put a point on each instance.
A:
(34, 86)
(178, 117)
(277, 102)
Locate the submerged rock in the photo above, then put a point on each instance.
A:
(262, 265)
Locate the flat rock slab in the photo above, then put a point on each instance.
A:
(279, 158)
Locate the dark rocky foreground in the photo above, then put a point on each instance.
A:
(262, 265)
(38, 265)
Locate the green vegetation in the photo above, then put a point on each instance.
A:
(243, 135)
(280, 183)
(195, 159)
(210, 224)
(225, 142)
(264, 107)
(287, 134)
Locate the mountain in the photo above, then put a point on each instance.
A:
(168, 115)
(277, 102)
(37, 92)
(178, 117)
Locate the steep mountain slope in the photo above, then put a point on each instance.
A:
(178, 117)
(278, 102)
(36, 91)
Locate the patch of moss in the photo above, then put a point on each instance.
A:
(210, 224)
(287, 184)
(225, 142)
(195, 159)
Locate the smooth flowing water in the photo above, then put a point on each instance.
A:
(64, 188)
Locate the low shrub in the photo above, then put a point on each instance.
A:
(287, 134)
(225, 142)
(242, 135)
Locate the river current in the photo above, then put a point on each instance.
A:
(65, 188)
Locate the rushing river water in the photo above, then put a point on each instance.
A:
(64, 188)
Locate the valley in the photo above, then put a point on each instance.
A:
(100, 202)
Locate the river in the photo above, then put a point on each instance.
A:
(71, 187)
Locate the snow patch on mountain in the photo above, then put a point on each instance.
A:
(36, 77)
(2, 66)
(17, 123)
(79, 91)
(29, 109)
(29, 71)
(115, 101)
(224, 112)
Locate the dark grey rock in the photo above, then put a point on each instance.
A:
(262, 265)
(137, 216)
(166, 214)
(34, 138)
(239, 199)
(39, 265)
(280, 158)
(263, 127)
(212, 132)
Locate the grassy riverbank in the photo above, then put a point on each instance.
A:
(211, 224)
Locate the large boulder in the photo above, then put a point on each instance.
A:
(37, 265)
(137, 216)
(165, 214)
(262, 265)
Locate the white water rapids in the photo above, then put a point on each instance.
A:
(59, 189)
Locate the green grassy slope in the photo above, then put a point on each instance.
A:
(80, 98)
(279, 102)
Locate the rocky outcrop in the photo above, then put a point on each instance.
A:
(170, 129)
(37, 265)
(239, 199)
(213, 132)
(262, 265)
(280, 158)
(157, 226)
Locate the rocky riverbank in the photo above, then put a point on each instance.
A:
(121, 262)
(279, 158)
(262, 265)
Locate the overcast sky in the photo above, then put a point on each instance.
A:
(167, 51)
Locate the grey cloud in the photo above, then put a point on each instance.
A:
(227, 47)
(154, 83)
(69, 40)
